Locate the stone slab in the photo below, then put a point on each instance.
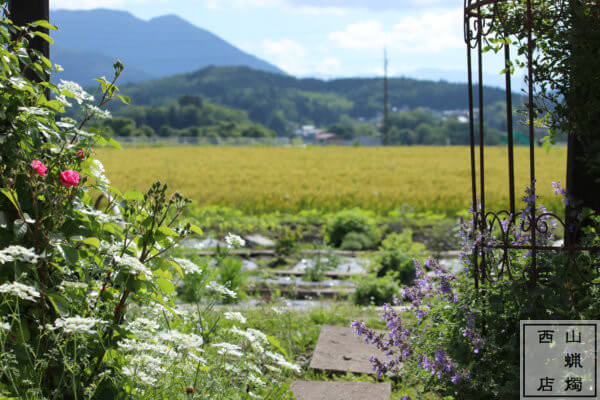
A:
(340, 349)
(313, 390)
(260, 240)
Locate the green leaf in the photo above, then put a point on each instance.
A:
(177, 268)
(42, 23)
(125, 99)
(44, 36)
(92, 241)
(167, 231)
(196, 229)
(61, 305)
(133, 195)
(12, 196)
(100, 140)
(113, 143)
(165, 285)
(20, 228)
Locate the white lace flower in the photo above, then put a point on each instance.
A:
(75, 90)
(235, 316)
(228, 349)
(97, 112)
(76, 324)
(24, 292)
(19, 253)
(35, 110)
(187, 266)
(99, 172)
(134, 266)
(217, 287)
(4, 326)
(234, 241)
(282, 362)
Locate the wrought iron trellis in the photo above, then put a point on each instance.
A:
(482, 19)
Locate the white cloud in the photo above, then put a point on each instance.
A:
(297, 60)
(91, 4)
(429, 32)
(286, 54)
(381, 5)
(329, 66)
(287, 5)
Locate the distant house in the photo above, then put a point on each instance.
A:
(308, 131)
(329, 139)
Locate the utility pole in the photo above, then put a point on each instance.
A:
(386, 137)
(23, 12)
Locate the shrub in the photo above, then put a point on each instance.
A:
(375, 291)
(357, 241)
(351, 221)
(396, 257)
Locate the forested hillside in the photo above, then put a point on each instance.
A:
(281, 102)
(186, 116)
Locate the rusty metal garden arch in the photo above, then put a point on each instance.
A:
(481, 18)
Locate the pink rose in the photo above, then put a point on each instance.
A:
(69, 178)
(80, 154)
(39, 167)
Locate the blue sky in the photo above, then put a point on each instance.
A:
(323, 38)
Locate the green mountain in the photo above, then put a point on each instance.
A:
(281, 102)
(92, 40)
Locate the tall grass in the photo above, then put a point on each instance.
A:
(258, 180)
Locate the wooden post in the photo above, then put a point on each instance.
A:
(23, 12)
(583, 155)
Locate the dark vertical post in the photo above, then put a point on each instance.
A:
(533, 276)
(481, 129)
(23, 12)
(509, 122)
(472, 141)
(386, 127)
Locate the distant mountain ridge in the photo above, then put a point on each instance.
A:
(274, 99)
(88, 42)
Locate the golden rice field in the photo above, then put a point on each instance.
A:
(263, 179)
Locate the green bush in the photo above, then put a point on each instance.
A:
(357, 241)
(352, 221)
(375, 291)
(396, 257)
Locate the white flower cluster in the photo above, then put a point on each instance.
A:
(35, 111)
(234, 241)
(76, 324)
(18, 253)
(134, 266)
(24, 292)
(97, 112)
(187, 266)
(217, 287)
(75, 90)
(228, 349)
(235, 316)
(255, 338)
(143, 327)
(99, 172)
(282, 362)
(4, 326)
(149, 358)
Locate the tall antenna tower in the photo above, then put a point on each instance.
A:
(386, 138)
